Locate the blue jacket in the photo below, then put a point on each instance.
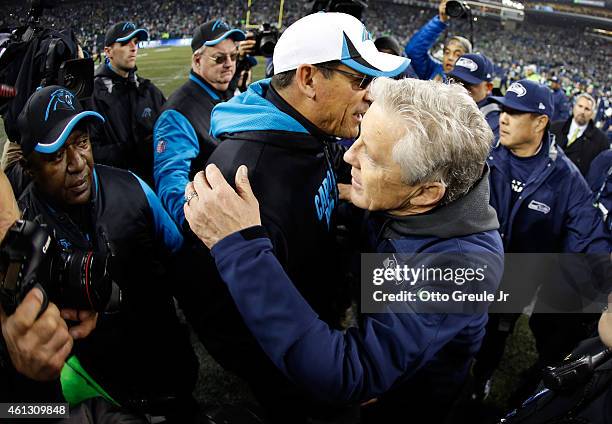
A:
(181, 141)
(561, 107)
(600, 181)
(417, 49)
(388, 348)
(554, 212)
(491, 113)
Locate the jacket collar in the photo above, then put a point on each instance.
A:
(281, 104)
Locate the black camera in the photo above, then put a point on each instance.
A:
(350, 7)
(33, 56)
(457, 9)
(266, 37)
(29, 257)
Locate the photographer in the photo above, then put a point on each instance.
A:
(419, 45)
(33, 348)
(140, 355)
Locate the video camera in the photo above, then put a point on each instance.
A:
(266, 37)
(33, 56)
(30, 257)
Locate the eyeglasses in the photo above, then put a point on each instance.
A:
(223, 57)
(360, 81)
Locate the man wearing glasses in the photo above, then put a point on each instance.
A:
(130, 104)
(182, 142)
(285, 130)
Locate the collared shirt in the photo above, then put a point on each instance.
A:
(573, 127)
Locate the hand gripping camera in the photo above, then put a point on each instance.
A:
(30, 257)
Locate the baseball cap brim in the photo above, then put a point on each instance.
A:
(371, 62)
(58, 137)
(139, 33)
(234, 34)
(465, 76)
(511, 104)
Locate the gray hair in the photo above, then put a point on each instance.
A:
(446, 137)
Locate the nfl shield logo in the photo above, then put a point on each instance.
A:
(161, 146)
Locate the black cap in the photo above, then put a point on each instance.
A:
(213, 32)
(48, 118)
(388, 43)
(123, 32)
(527, 96)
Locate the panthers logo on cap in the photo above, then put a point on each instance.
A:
(220, 24)
(128, 26)
(465, 62)
(517, 87)
(61, 99)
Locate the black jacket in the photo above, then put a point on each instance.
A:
(585, 148)
(130, 106)
(293, 178)
(142, 352)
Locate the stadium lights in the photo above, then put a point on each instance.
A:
(513, 4)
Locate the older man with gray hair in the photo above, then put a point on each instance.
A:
(419, 167)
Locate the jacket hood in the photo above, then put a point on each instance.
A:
(470, 214)
(251, 111)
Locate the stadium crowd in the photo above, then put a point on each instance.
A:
(553, 50)
(478, 176)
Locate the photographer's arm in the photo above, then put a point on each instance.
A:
(418, 47)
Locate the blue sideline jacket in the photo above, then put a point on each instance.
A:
(182, 142)
(554, 212)
(388, 348)
(417, 49)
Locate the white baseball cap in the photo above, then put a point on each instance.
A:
(325, 37)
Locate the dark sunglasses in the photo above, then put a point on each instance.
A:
(221, 58)
(360, 81)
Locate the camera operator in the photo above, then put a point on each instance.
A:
(182, 133)
(129, 104)
(141, 355)
(33, 349)
(419, 45)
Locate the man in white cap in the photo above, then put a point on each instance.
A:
(285, 130)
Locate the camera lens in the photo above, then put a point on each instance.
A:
(85, 282)
(268, 42)
(455, 9)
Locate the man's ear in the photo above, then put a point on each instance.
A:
(304, 78)
(540, 123)
(489, 87)
(107, 52)
(429, 195)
